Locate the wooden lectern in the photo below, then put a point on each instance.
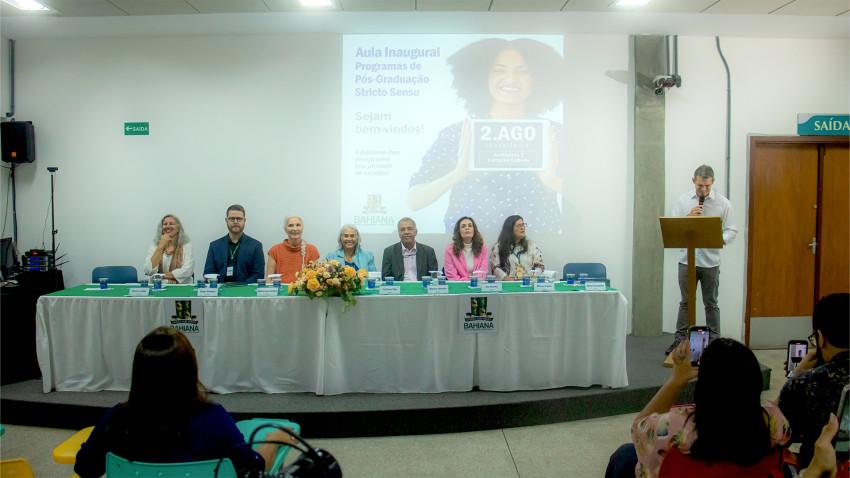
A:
(691, 232)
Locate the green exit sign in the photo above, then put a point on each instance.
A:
(137, 129)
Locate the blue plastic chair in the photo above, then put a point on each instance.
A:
(118, 467)
(247, 427)
(594, 270)
(115, 274)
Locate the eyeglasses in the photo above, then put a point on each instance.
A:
(235, 219)
(813, 339)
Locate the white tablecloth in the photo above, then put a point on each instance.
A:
(383, 344)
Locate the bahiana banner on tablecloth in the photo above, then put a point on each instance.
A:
(478, 314)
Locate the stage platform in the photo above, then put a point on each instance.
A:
(358, 415)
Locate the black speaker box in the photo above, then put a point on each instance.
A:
(18, 139)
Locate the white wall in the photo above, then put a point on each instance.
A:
(255, 120)
(772, 81)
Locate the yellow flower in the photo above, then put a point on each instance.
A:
(311, 274)
(334, 282)
(326, 275)
(291, 287)
(349, 272)
(334, 262)
(362, 273)
(313, 285)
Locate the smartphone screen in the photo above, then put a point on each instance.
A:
(797, 349)
(842, 438)
(699, 341)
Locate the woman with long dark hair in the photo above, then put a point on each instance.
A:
(167, 417)
(514, 256)
(467, 252)
(727, 422)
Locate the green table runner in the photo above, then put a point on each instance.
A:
(250, 290)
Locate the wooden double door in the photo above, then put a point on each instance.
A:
(798, 235)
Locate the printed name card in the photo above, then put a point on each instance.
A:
(267, 291)
(438, 289)
(389, 290)
(595, 285)
(544, 287)
(208, 292)
(491, 286)
(139, 292)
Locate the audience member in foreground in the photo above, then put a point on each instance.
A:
(514, 256)
(350, 253)
(726, 423)
(171, 252)
(167, 417)
(467, 253)
(236, 257)
(824, 463)
(407, 259)
(291, 255)
(814, 389)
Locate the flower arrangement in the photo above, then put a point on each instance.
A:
(326, 279)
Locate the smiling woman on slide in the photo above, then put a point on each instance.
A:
(496, 79)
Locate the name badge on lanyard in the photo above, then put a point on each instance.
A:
(229, 272)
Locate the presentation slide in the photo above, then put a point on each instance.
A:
(437, 127)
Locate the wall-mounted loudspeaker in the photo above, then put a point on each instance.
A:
(18, 138)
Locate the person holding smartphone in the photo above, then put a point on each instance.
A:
(814, 389)
(727, 422)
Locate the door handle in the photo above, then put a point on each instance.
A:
(814, 245)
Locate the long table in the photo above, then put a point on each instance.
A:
(412, 342)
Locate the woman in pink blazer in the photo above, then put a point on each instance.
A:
(467, 252)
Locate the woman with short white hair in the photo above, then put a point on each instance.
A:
(349, 251)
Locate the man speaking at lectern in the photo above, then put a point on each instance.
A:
(702, 201)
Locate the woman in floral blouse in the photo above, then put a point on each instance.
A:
(727, 422)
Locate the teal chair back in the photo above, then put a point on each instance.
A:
(594, 270)
(117, 467)
(115, 274)
(247, 427)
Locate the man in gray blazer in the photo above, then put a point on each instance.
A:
(408, 260)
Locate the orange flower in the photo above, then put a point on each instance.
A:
(349, 272)
(362, 273)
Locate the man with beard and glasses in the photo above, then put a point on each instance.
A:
(236, 257)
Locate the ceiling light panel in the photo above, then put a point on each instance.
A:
(527, 5)
(814, 7)
(453, 5)
(378, 5)
(154, 7)
(229, 6)
(745, 7)
(84, 8)
(587, 5)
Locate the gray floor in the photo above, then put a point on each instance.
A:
(576, 449)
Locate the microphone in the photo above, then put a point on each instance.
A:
(701, 200)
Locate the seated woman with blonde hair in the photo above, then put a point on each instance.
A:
(171, 252)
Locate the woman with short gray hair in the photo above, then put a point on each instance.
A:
(349, 252)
